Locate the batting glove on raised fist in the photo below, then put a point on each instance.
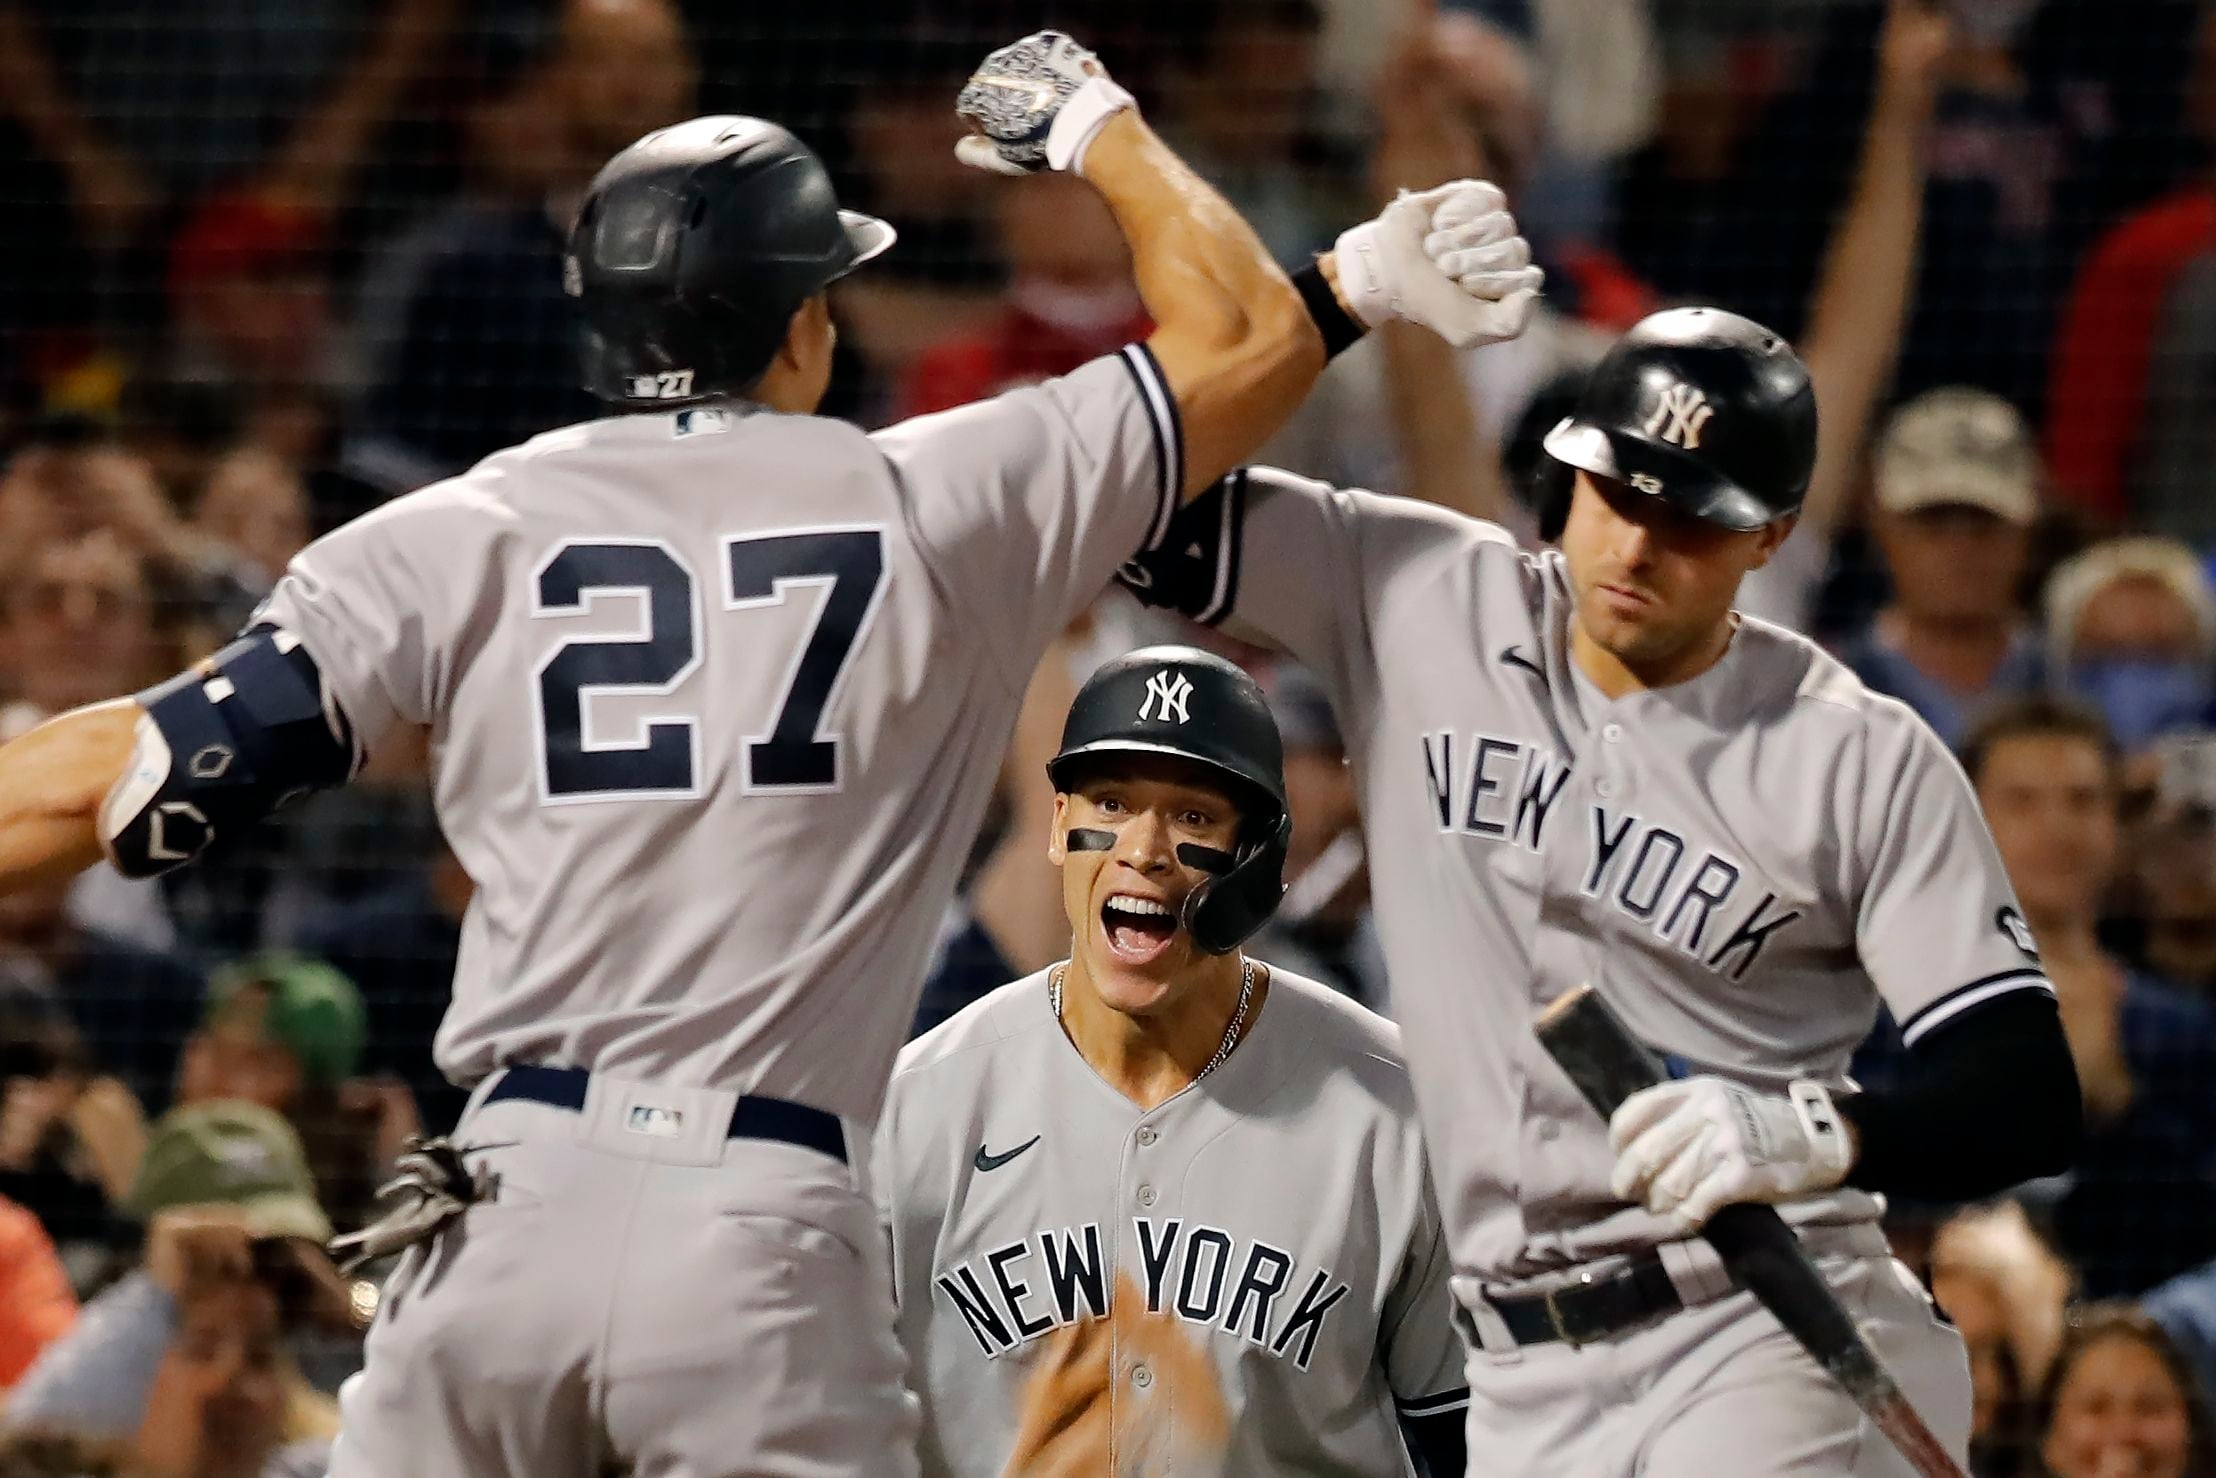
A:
(1036, 105)
(1689, 1148)
(1449, 259)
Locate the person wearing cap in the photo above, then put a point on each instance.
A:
(1256, 1127)
(2131, 629)
(185, 1358)
(1957, 492)
(287, 1033)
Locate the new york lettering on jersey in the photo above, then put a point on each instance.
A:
(1706, 902)
(1205, 1275)
(1745, 863)
(1267, 1234)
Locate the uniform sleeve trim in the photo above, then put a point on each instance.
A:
(1446, 1401)
(1224, 595)
(1966, 997)
(1169, 443)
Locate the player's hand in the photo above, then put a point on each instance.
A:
(1687, 1149)
(1449, 259)
(1912, 48)
(1036, 105)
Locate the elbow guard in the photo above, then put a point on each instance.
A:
(222, 746)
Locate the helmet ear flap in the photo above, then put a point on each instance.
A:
(1224, 911)
(1552, 484)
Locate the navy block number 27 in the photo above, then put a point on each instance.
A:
(662, 758)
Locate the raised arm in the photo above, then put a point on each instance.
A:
(1238, 343)
(1861, 302)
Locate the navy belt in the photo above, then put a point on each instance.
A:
(752, 1117)
(1592, 1308)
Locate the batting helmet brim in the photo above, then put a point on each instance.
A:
(867, 235)
(1658, 470)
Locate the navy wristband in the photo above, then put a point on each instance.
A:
(1338, 327)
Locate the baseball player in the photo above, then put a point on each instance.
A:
(717, 690)
(1582, 766)
(1161, 1207)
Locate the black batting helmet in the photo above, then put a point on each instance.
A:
(694, 248)
(1193, 704)
(1707, 410)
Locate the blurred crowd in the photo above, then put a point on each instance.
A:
(265, 264)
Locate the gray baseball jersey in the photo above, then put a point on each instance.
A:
(1744, 864)
(1277, 1211)
(717, 697)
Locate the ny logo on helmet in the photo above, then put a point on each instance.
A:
(1679, 416)
(1171, 690)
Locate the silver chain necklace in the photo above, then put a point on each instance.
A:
(1230, 1033)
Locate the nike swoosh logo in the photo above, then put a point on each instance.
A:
(1514, 657)
(985, 1161)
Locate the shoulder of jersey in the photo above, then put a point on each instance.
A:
(1823, 679)
(1477, 530)
(1015, 1010)
(1340, 1030)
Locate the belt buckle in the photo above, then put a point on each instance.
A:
(1562, 1329)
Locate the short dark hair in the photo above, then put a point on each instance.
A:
(35, 1453)
(2040, 716)
(2097, 1324)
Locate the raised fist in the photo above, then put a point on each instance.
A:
(1035, 105)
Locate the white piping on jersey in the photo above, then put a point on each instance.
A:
(1976, 993)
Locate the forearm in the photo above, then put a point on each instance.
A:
(1231, 333)
(1861, 303)
(52, 781)
(1991, 1101)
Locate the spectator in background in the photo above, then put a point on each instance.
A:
(131, 1005)
(901, 166)
(37, 1305)
(1241, 102)
(1070, 298)
(2121, 1400)
(479, 353)
(287, 1033)
(251, 305)
(2050, 118)
(253, 505)
(2140, 1204)
(1957, 491)
(1323, 928)
(2005, 1291)
(186, 1357)
(2130, 443)
(398, 945)
(2131, 628)
(71, 1138)
(2171, 906)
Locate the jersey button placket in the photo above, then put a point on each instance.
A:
(1146, 1195)
(1147, 1135)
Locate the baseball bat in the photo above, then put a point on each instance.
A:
(1608, 1064)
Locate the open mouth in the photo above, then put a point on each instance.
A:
(1138, 929)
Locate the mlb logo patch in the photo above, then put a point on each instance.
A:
(662, 1123)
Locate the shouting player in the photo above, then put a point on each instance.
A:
(717, 690)
(1583, 766)
(1162, 1207)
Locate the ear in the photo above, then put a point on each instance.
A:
(1057, 840)
(1770, 536)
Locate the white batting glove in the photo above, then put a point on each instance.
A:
(1448, 258)
(1035, 105)
(1687, 1149)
